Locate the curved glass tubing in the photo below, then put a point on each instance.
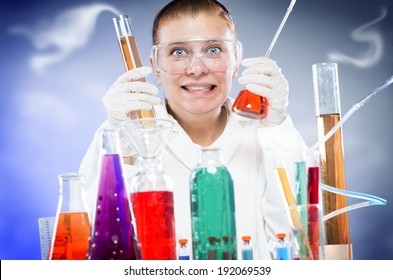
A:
(369, 200)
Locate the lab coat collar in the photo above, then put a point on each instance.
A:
(186, 152)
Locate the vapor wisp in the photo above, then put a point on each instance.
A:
(364, 34)
(67, 32)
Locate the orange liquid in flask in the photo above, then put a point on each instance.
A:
(250, 105)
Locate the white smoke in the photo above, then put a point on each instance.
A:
(57, 39)
(375, 40)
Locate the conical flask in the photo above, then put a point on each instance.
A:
(212, 208)
(71, 230)
(328, 112)
(130, 55)
(112, 235)
(151, 189)
(250, 105)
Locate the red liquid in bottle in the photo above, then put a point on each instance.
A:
(72, 237)
(155, 224)
(250, 105)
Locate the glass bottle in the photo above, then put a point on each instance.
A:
(151, 189)
(250, 105)
(247, 252)
(212, 206)
(112, 234)
(328, 112)
(183, 253)
(71, 230)
(130, 55)
(281, 247)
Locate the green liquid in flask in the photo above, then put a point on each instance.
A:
(213, 214)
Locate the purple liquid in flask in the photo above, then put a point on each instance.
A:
(112, 233)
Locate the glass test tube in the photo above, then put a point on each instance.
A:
(130, 55)
(328, 113)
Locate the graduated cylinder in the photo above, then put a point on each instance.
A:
(328, 112)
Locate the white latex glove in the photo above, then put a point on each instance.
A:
(128, 94)
(263, 77)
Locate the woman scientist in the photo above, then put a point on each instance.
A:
(197, 93)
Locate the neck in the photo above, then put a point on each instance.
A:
(203, 129)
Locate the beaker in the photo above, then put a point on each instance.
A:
(130, 55)
(71, 230)
(151, 189)
(112, 235)
(250, 105)
(328, 113)
(212, 208)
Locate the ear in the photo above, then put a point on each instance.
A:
(157, 73)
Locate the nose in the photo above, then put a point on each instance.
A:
(197, 66)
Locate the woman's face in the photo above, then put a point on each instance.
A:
(197, 89)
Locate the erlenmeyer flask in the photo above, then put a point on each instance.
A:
(112, 235)
(151, 189)
(71, 230)
(250, 105)
(130, 55)
(212, 208)
(328, 112)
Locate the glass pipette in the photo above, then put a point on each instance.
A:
(249, 104)
(289, 10)
(354, 108)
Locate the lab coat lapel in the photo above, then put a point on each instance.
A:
(180, 146)
(183, 149)
(231, 137)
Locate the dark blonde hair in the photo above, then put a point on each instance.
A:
(178, 8)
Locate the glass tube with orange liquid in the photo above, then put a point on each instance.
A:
(328, 112)
(130, 55)
(71, 231)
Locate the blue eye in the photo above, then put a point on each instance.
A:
(214, 51)
(179, 52)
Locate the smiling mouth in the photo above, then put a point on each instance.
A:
(199, 88)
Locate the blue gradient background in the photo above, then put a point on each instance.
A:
(48, 119)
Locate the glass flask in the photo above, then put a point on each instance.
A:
(151, 189)
(250, 105)
(112, 235)
(130, 55)
(247, 253)
(212, 208)
(71, 230)
(328, 112)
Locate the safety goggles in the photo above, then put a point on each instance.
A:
(217, 55)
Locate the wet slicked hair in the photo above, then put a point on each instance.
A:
(178, 8)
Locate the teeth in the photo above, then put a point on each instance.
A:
(199, 88)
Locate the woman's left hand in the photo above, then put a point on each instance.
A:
(262, 76)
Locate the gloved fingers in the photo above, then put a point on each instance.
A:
(264, 69)
(248, 62)
(267, 81)
(134, 74)
(135, 87)
(276, 97)
(122, 100)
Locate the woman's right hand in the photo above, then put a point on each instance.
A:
(128, 94)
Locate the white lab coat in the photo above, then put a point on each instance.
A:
(250, 151)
